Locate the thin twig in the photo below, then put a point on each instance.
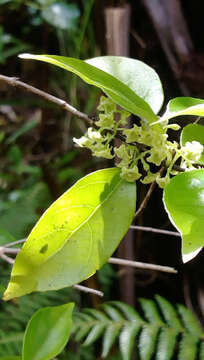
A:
(63, 104)
(146, 199)
(7, 258)
(13, 243)
(158, 231)
(88, 290)
(4, 249)
(142, 265)
(148, 195)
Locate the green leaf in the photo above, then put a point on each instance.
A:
(147, 342)
(110, 335)
(130, 313)
(94, 334)
(47, 332)
(166, 344)
(2, 290)
(169, 313)
(21, 213)
(127, 338)
(151, 311)
(113, 313)
(184, 203)
(99, 315)
(5, 237)
(24, 129)
(188, 348)
(183, 106)
(114, 88)
(83, 331)
(190, 321)
(138, 76)
(193, 132)
(11, 338)
(201, 352)
(62, 16)
(76, 235)
(10, 358)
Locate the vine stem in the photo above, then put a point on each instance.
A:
(154, 230)
(88, 290)
(141, 265)
(61, 103)
(147, 196)
(146, 199)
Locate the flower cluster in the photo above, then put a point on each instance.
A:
(144, 145)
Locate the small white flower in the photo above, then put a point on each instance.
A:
(93, 134)
(82, 141)
(193, 150)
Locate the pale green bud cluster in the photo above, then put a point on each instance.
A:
(191, 151)
(100, 141)
(144, 145)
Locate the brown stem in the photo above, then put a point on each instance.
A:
(158, 231)
(88, 290)
(63, 104)
(146, 199)
(142, 265)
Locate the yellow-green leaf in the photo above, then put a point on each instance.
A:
(76, 235)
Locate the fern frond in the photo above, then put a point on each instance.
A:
(188, 347)
(160, 332)
(151, 311)
(169, 312)
(166, 343)
(147, 342)
(189, 321)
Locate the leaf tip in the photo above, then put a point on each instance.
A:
(25, 56)
(6, 295)
(187, 257)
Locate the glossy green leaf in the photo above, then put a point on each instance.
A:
(76, 235)
(138, 76)
(62, 16)
(183, 106)
(114, 88)
(47, 332)
(184, 202)
(193, 132)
